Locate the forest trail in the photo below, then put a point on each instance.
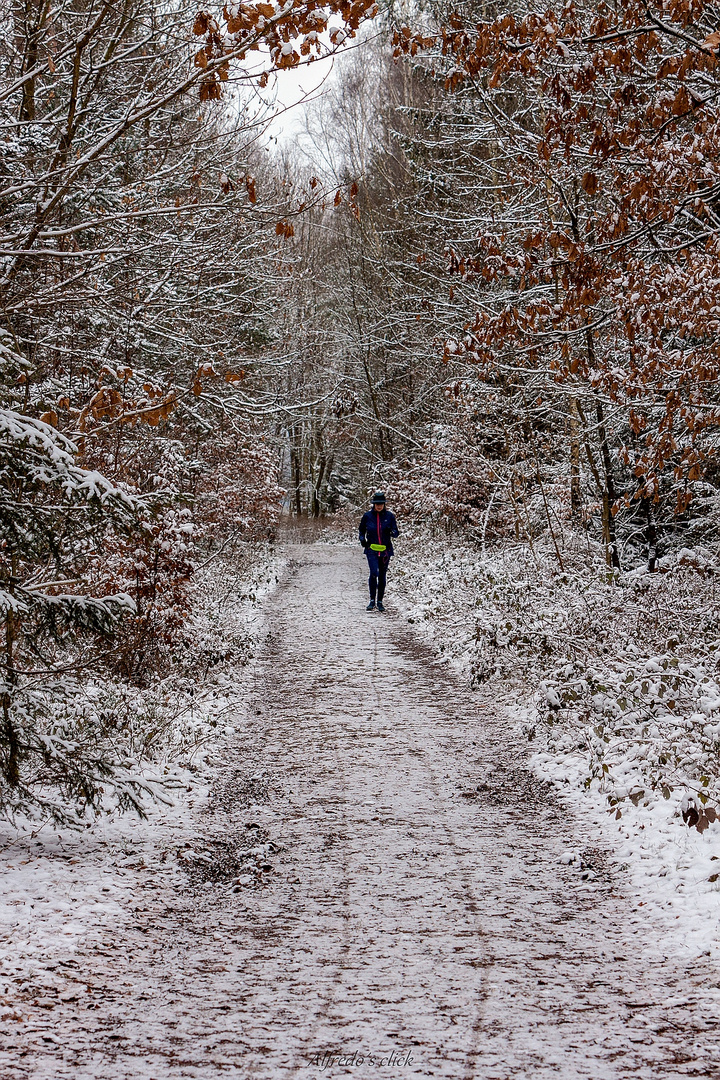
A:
(417, 905)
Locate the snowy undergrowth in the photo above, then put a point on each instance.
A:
(65, 890)
(616, 687)
(173, 718)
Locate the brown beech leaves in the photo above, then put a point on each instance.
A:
(291, 32)
(601, 260)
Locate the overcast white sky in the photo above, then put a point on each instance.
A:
(295, 88)
(290, 91)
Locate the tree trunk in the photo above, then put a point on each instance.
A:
(576, 505)
(612, 554)
(651, 535)
(316, 489)
(295, 468)
(33, 33)
(609, 494)
(11, 764)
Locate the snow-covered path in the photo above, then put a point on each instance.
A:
(417, 914)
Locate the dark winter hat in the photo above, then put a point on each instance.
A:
(378, 497)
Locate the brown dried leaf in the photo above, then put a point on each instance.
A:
(681, 104)
(202, 20)
(590, 183)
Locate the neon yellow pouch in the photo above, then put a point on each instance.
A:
(378, 547)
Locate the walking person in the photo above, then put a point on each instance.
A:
(377, 529)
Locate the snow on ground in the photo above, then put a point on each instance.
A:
(671, 866)
(561, 656)
(65, 891)
(376, 875)
(366, 865)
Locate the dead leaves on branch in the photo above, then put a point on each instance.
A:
(111, 405)
(291, 32)
(712, 41)
(698, 817)
(581, 47)
(108, 404)
(590, 183)
(313, 196)
(251, 188)
(610, 282)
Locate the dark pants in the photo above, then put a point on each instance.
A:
(378, 563)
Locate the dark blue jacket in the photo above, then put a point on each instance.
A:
(369, 529)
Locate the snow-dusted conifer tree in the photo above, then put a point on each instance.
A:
(54, 517)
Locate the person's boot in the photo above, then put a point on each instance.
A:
(371, 606)
(380, 605)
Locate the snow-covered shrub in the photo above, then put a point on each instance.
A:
(623, 669)
(236, 490)
(649, 715)
(447, 484)
(54, 519)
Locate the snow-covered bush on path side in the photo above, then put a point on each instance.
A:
(619, 679)
(73, 741)
(54, 519)
(165, 722)
(111, 625)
